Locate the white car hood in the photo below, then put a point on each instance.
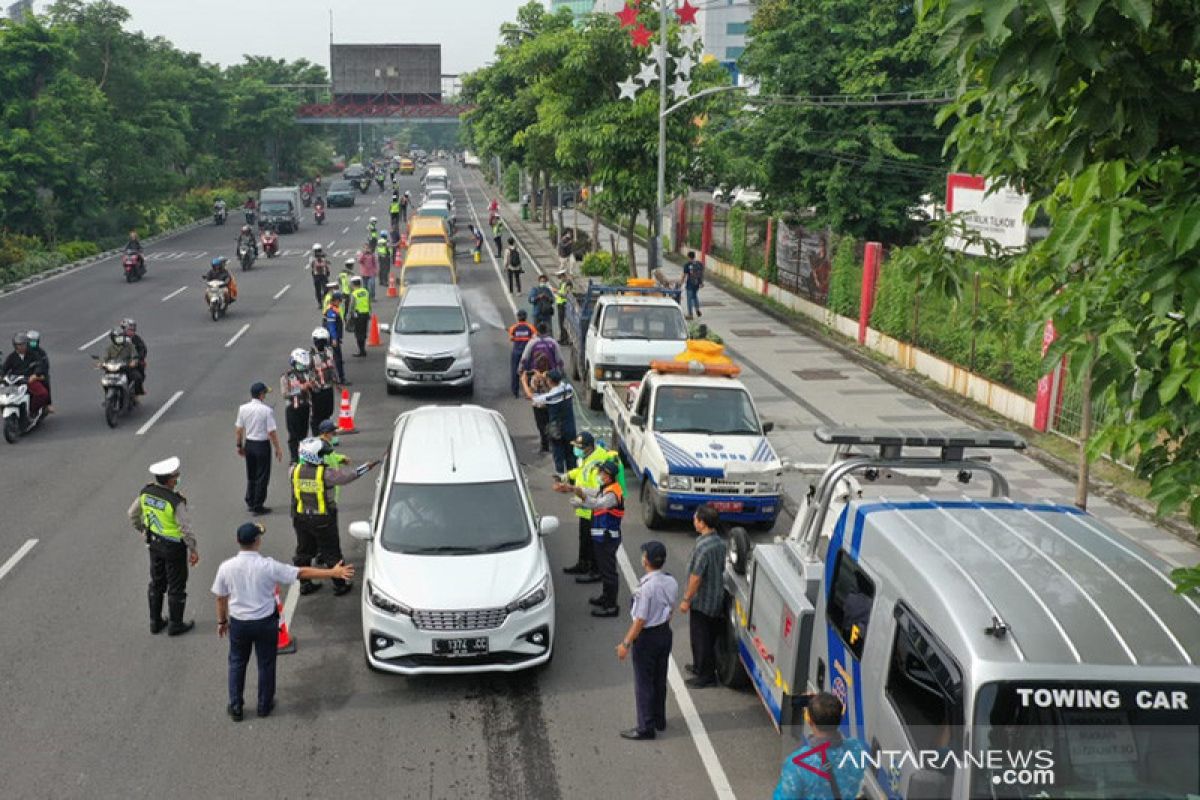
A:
(436, 345)
(638, 352)
(451, 583)
(702, 454)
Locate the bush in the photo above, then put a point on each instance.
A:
(845, 278)
(32, 264)
(512, 183)
(737, 237)
(601, 265)
(77, 251)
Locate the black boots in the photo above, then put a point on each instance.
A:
(177, 626)
(157, 623)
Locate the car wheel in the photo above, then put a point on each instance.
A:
(595, 399)
(741, 547)
(650, 516)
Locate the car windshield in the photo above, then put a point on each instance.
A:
(1104, 740)
(700, 409)
(414, 276)
(643, 322)
(455, 519)
(429, 320)
(427, 238)
(275, 206)
(434, 211)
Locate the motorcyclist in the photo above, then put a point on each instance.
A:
(323, 375)
(318, 265)
(373, 231)
(295, 385)
(134, 245)
(35, 347)
(121, 349)
(319, 206)
(129, 325)
(270, 238)
(246, 237)
(219, 271)
(219, 208)
(26, 362)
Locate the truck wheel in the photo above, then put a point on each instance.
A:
(650, 516)
(573, 355)
(730, 671)
(595, 399)
(740, 548)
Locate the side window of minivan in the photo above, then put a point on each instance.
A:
(851, 596)
(924, 685)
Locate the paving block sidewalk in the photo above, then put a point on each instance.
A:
(800, 384)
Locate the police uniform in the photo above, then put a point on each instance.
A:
(159, 513)
(394, 207)
(336, 325)
(652, 603)
(383, 254)
(608, 511)
(561, 293)
(520, 334)
(585, 476)
(295, 387)
(360, 314)
(322, 376)
(314, 516)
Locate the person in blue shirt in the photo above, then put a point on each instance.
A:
(693, 280)
(826, 765)
(337, 329)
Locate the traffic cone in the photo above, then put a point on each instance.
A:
(345, 418)
(373, 336)
(393, 290)
(286, 644)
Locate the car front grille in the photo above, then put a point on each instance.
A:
(719, 486)
(418, 364)
(480, 619)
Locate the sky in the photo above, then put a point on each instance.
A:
(222, 31)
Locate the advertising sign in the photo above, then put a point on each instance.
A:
(998, 215)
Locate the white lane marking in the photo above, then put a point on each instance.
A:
(158, 414)
(699, 734)
(354, 405)
(346, 229)
(487, 245)
(17, 556)
(331, 244)
(289, 603)
(356, 219)
(233, 340)
(279, 294)
(86, 345)
(175, 293)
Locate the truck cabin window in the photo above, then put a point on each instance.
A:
(850, 599)
(643, 322)
(687, 409)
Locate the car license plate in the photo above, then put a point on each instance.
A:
(430, 378)
(731, 506)
(460, 647)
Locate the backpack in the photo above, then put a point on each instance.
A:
(514, 259)
(542, 355)
(695, 277)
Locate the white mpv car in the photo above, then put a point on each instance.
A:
(456, 576)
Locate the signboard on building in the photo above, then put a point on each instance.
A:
(997, 214)
(372, 70)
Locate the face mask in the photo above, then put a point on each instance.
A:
(335, 441)
(578, 451)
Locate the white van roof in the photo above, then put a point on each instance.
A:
(1071, 590)
(452, 444)
(432, 294)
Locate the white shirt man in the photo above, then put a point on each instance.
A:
(256, 435)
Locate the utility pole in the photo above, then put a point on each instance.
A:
(656, 239)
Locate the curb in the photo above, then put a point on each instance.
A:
(76, 266)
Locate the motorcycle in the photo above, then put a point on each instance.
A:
(251, 217)
(363, 185)
(135, 267)
(306, 197)
(118, 396)
(319, 213)
(219, 216)
(245, 256)
(379, 180)
(216, 297)
(270, 243)
(14, 407)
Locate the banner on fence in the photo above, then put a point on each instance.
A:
(997, 214)
(802, 258)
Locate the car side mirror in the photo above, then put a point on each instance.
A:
(638, 421)
(385, 327)
(547, 526)
(767, 427)
(475, 327)
(361, 530)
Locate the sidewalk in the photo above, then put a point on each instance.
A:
(809, 384)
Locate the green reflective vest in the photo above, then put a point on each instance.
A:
(306, 482)
(394, 208)
(586, 475)
(382, 252)
(158, 511)
(560, 295)
(344, 282)
(362, 301)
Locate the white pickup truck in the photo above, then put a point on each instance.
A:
(693, 439)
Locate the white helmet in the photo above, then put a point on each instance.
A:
(320, 334)
(310, 451)
(318, 247)
(300, 359)
(373, 219)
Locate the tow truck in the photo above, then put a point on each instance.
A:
(691, 432)
(614, 332)
(982, 647)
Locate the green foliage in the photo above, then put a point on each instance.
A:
(601, 264)
(845, 278)
(1187, 580)
(77, 250)
(31, 264)
(512, 182)
(737, 237)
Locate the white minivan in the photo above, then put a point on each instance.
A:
(456, 577)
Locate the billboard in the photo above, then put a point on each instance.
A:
(997, 214)
(386, 69)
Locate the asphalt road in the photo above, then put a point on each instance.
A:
(97, 707)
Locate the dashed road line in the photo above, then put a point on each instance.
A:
(354, 405)
(158, 414)
(280, 293)
(233, 340)
(86, 345)
(331, 244)
(22, 551)
(491, 256)
(175, 293)
(344, 231)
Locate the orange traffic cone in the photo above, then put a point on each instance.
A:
(287, 644)
(393, 290)
(373, 336)
(345, 418)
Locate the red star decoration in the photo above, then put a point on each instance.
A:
(628, 16)
(686, 13)
(641, 35)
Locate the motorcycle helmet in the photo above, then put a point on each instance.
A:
(35, 338)
(317, 247)
(320, 337)
(300, 359)
(116, 335)
(20, 338)
(310, 451)
(245, 229)
(219, 261)
(374, 220)
(129, 325)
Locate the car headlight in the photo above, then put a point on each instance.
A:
(533, 598)
(681, 483)
(386, 604)
(464, 353)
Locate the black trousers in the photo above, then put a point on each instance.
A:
(322, 408)
(258, 472)
(262, 636)
(319, 282)
(651, 656)
(605, 550)
(586, 556)
(296, 417)
(360, 332)
(499, 248)
(168, 568)
(514, 276)
(704, 630)
(541, 416)
(338, 364)
(317, 537)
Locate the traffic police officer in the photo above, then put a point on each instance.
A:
(159, 514)
(561, 293)
(520, 335)
(345, 276)
(383, 254)
(394, 206)
(335, 324)
(322, 376)
(589, 457)
(607, 505)
(314, 511)
(296, 386)
(360, 314)
(649, 639)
